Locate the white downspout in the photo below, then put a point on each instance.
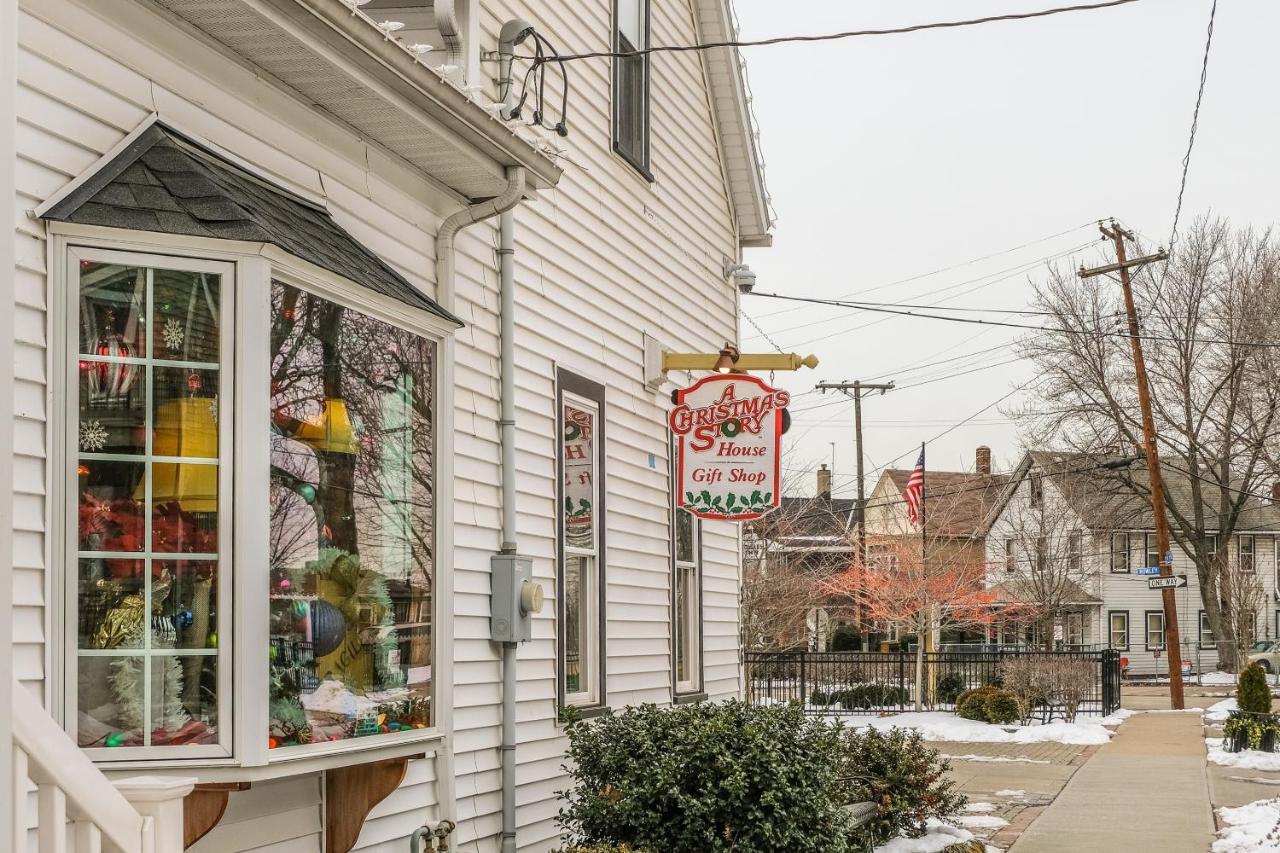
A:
(507, 422)
(446, 296)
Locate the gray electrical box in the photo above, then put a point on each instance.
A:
(515, 597)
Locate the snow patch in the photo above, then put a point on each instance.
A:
(938, 836)
(981, 821)
(1248, 759)
(980, 807)
(945, 726)
(1254, 828)
(996, 758)
(1011, 792)
(1217, 679)
(1218, 713)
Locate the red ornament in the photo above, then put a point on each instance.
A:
(110, 378)
(194, 382)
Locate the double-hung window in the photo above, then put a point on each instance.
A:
(1155, 630)
(1075, 551)
(1152, 553)
(1119, 552)
(1246, 552)
(1010, 557)
(1206, 631)
(687, 601)
(581, 576)
(1118, 622)
(631, 83)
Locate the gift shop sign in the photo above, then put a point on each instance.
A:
(729, 430)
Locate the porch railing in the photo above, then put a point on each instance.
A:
(875, 682)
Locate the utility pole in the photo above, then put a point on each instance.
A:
(1122, 265)
(856, 391)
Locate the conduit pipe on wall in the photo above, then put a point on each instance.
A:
(446, 295)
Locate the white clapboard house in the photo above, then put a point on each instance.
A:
(311, 347)
(1068, 535)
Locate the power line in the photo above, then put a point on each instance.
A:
(1195, 122)
(912, 28)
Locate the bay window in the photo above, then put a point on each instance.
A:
(580, 581)
(179, 545)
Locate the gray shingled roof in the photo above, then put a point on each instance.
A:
(166, 183)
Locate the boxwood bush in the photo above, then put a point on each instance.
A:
(706, 777)
(988, 705)
(861, 697)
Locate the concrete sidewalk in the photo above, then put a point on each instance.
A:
(1145, 790)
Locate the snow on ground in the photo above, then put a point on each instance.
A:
(945, 726)
(1010, 792)
(1248, 759)
(940, 835)
(981, 821)
(1254, 828)
(1218, 713)
(1217, 679)
(1013, 759)
(977, 808)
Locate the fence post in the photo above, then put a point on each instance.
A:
(804, 690)
(902, 679)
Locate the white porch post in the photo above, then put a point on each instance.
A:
(8, 238)
(159, 798)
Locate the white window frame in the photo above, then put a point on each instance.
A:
(1146, 627)
(1010, 557)
(1122, 536)
(243, 662)
(1111, 629)
(1252, 565)
(691, 633)
(1205, 631)
(589, 660)
(1151, 546)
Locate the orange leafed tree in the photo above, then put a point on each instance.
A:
(921, 595)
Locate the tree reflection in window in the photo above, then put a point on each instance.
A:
(351, 531)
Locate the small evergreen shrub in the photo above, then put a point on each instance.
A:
(710, 777)
(846, 639)
(971, 704)
(902, 775)
(1001, 708)
(1253, 695)
(950, 686)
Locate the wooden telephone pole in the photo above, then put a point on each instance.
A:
(1122, 266)
(856, 391)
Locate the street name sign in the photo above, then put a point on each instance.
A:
(1171, 582)
(729, 432)
(1148, 570)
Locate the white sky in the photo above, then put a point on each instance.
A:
(893, 156)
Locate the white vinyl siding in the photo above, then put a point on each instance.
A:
(600, 260)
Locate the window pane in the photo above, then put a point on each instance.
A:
(185, 312)
(682, 625)
(631, 21)
(184, 704)
(113, 408)
(109, 693)
(579, 477)
(113, 302)
(351, 523)
(104, 585)
(112, 510)
(631, 118)
(684, 536)
(577, 609)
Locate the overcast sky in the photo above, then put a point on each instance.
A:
(891, 157)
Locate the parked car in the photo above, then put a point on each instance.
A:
(1268, 657)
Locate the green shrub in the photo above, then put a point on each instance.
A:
(950, 686)
(604, 848)
(971, 704)
(1253, 695)
(867, 697)
(846, 639)
(706, 777)
(902, 775)
(1001, 708)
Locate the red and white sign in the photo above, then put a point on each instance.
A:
(730, 447)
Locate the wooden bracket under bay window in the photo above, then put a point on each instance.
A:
(204, 807)
(350, 793)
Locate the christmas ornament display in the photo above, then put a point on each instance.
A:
(328, 627)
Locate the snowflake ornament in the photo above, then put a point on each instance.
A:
(173, 334)
(93, 436)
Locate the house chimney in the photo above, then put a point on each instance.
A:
(983, 456)
(824, 481)
(1275, 493)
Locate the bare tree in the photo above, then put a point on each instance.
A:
(1241, 589)
(1214, 390)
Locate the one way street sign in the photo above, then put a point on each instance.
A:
(1173, 582)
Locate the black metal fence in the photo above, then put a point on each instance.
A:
(874, 682)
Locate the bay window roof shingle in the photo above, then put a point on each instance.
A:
(166, 183)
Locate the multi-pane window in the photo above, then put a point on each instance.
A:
(1010, 557)
(1152, 551)
(1246, 552)
(1206, 631)
(1155, 629)
(351, 532)
(1211, 547)
(1118, 622)
(1075, 551)
(1042, 554)
(1119, 552)
(1036, 487)
(580, 580)
(1075, 629)
(631, 83)
(687, 609)
(145, 459)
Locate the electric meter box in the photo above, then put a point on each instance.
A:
(515, 597)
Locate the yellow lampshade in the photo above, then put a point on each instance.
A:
(333, 432)
(185, 427)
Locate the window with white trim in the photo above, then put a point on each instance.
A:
(1010, 557)
(1155, 629)
(1075, 551)
(1119, 552)
(581, 578)
(1206, 631)
(333, 564)
(1152, 554)
(1246, 551)
(1118, 622)
(686, 622)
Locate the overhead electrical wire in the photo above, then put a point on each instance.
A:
(911, 28)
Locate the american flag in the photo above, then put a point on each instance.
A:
(914, 492)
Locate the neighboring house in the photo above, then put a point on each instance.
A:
(956, 505)
(1068, 537)
(265, 439)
